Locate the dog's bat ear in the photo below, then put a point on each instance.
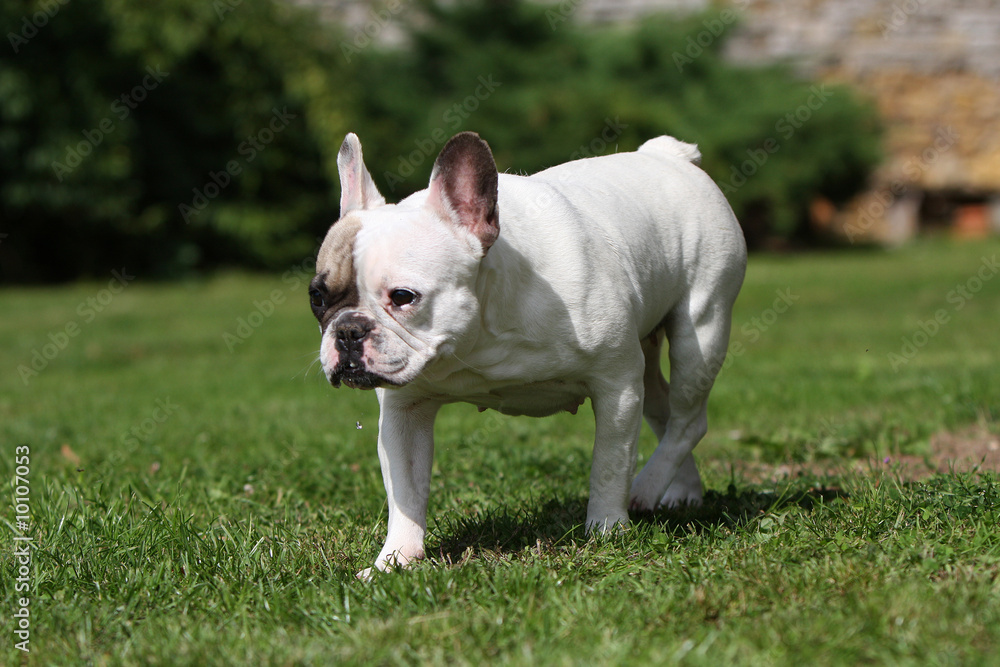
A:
(463, 187)
(357, 189)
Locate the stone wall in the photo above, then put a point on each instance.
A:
(932, 69)
(870, 35)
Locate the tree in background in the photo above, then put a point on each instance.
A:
(185, 135)
(559, 90)
(165, 135)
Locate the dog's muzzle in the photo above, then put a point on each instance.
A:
(350, 331)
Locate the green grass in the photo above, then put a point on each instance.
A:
(192, 505)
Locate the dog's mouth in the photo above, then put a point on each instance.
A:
(356, 376)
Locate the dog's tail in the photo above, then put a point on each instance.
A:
(672, 146)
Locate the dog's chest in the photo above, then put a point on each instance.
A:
(537, 399)
(532, 399)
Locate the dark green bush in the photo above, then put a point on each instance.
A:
(229, 157)
(119, 120)
(771, 140)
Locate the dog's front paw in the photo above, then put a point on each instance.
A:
(606, 524)
(392, 560)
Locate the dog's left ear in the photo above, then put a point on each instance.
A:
(463, 187)
(357, 189)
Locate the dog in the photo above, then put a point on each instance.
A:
(528, 295)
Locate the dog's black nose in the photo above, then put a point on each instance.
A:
(353, 328)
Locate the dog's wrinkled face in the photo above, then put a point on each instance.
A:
(394, 288)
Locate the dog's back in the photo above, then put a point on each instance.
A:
(643, 212)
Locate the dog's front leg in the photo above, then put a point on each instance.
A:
(406, 453)
(618, 418)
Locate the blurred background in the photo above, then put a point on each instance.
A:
(177, 137)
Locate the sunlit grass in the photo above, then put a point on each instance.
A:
(200, 501)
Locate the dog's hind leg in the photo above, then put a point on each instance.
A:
(656, 395)
(698, 335)
(686, 489)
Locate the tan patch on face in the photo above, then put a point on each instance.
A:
(335, 277)
(336, 255)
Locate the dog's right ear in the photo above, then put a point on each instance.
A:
(463, 187)
(357, 189)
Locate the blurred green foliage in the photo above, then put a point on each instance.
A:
(183, 134)
(114, 113)
(563, 90)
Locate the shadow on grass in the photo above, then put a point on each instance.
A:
(506, 530)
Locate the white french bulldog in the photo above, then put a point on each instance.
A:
(528, 295)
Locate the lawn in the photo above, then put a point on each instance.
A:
(198, 495)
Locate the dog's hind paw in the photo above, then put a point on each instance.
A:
(681, 498)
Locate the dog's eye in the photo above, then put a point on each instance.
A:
(402, 297)
(316, 298)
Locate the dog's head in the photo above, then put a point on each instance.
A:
(395, 283)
